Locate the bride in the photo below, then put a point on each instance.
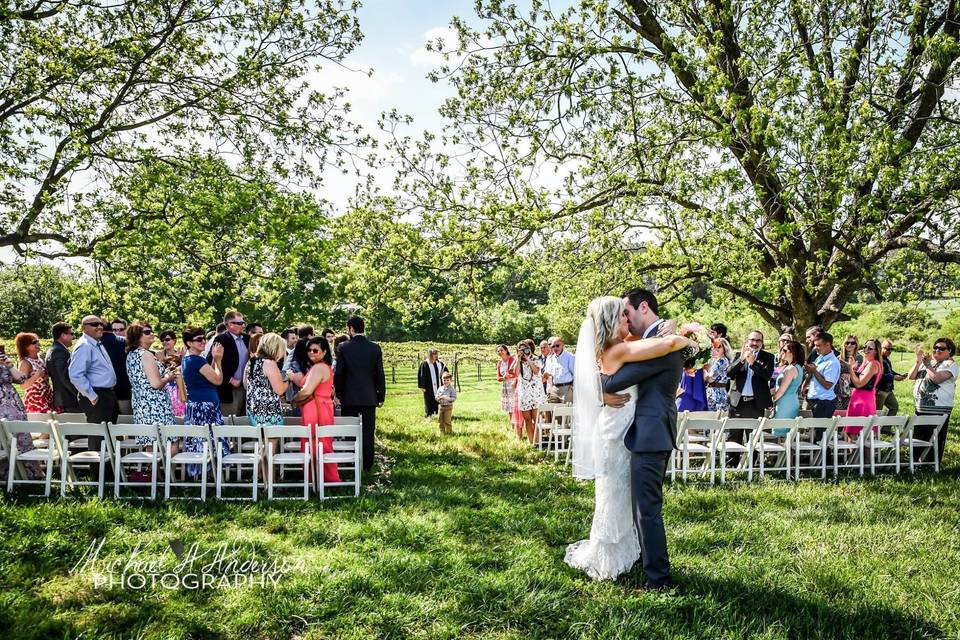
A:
(598, 431)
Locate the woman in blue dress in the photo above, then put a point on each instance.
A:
(201, 379)
(721, 353)
(692, 394)
(786, 395)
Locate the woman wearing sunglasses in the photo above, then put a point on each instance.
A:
(851, 349)
(936, 376)
(148, 381)
(38, 394)
(315, 400)
(201, 380)
(172, 357)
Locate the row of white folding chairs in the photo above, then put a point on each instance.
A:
(553, 429)
(53, 444)
(705, 436)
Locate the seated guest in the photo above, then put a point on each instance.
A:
(936, 386)
(692, 392)
(201, 379)
(149, 380)
(886, 398)
(864, 378)
(721, 354)
(823, 375)
(315, 400)
(446, 396)
(38, 396)
(172, 357)
(786, 394)
(58, 362)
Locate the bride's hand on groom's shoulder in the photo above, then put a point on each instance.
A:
(667, 328)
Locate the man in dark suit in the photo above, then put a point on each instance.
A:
(236, 354)
(360, 383)
(652, 436)
(58, 362)
(116, 347)
(751, 371)
(429, 379)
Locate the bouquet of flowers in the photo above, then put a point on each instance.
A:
(698, 333)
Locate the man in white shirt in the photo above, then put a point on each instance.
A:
(560, 366)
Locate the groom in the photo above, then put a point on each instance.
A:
(652, 435)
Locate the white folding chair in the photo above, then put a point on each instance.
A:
(100, 458)
(748, 427)
(542, 424)
(72, 418)
(767, 443)
(202, 457)
(241, 459)
(805, 441)
(932, 446)
(47, 455)
(561, 432)
(883, 447)
(303, 459)
(849, 455)
(346, 444)
(120, 435)
(345, 460)
(708, 428)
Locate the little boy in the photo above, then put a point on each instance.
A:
(446, 396)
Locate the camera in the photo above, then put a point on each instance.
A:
(525, 351)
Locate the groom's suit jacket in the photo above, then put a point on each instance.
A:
(654, 425)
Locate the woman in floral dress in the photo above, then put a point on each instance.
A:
(716, 375)
(11, 407)
(148, 380)
(38, 395)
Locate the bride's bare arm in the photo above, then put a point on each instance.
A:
(640, 350)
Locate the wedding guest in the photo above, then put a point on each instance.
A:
(429, 379)
(149, 380)
(751, 372)
(718, 331)
(305, 331)
(254, 329)
(93, 374)
(785, 339)
(936, 386)
(210, 337)
(692, 392)
(115, 345)
(339, 340)
(172, 357)
(38, 396)
(264, 382)
(810, 337)
(560, 367)
(58, 362)
(202, 379)
(886, 398)
(851, 350)
(254, 343)
(294, 370)
(823, 375)
(716, 378)
(530, 394)
(544, 354)
(236, 353)
(328, 335)
(290, 335)
(118, 327)
(446, 396)
(864, 378)
(506, 379)
(786, 393)
(11, 407)
(360, 382)
(315, 400)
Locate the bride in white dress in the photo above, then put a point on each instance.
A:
(598, 430)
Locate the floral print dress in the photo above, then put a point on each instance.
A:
(150, 406)
(39, 397)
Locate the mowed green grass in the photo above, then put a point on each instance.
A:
(464, 536)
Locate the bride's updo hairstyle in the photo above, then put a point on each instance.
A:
(606, 313)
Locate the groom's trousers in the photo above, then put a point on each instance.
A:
(647, 470)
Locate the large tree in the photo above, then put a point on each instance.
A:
(777, 149)
(91, 91)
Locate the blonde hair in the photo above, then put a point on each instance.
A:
(272, 347)
(606, 313)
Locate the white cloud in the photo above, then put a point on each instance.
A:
(422, 57)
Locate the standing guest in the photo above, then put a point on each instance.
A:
(429, 380)
(328, 335)
(786, 393)
(446, 396)
(118, 327)
(751, 373)
(544, 354)
(851, 351)
(864, 378)
(936, 387)
(236, 353)
(92, 373)
(210, 336)
(254, 329)
(265, 385)
(360, 382)
(716, 376)
(11, 406)
(784, 340)
(305, 331)
(58, 362)
(530, 394)
(291, 337)
(172, 359)
(506, 379)
(254, 343)
(692, 392)
(202, 380)
(115, 343)
(315, 400)
(886, 398)
(339, 340)
(38, 396)
(823, 375)
(560, 366)
(294, 369)
(810, 337)
(149, 380)
(718, 331)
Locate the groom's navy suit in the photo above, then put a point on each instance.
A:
(651, 438)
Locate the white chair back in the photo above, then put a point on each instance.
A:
(70, 417)
(131, 430)
(347, 420)
(285, 431)
(125, 419)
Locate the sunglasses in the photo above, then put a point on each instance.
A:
(850, 344)
(940, 349)
(148, 332)
(200, 338)
(118, 329)
(314, 351)
(94, 324)
(34, 342)
(167, 339)
(869, 348)
(556, 346)
(238, 322)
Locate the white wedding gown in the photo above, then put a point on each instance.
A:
(613, 546)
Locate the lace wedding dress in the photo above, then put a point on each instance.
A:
(613, 546)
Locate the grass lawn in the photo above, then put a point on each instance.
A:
(464, 537)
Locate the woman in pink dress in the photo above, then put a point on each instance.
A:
(864, 378)
(315, 399)
(38, 395)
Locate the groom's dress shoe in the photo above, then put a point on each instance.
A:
(649, 586)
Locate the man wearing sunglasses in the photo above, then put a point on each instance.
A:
(236, 354)
(91, 372)
(58, 361)
(560, 366)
